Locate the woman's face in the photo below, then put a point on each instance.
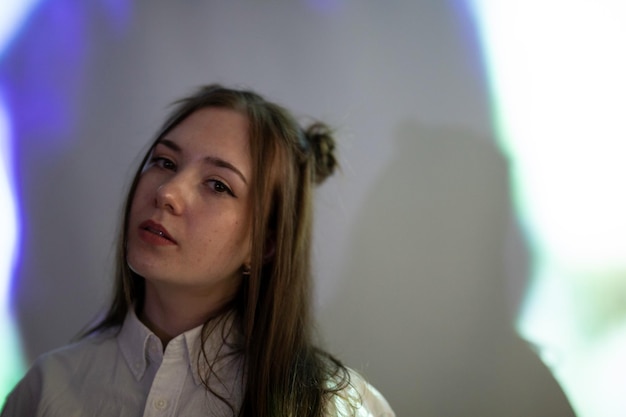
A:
(189, 223)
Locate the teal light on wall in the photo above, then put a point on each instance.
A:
(557, 76)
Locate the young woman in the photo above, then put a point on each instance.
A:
(211, 307)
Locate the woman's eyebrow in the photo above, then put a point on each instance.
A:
(213, 160)
(218, 162)
(169, 144)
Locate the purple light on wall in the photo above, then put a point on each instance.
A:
(44, 63)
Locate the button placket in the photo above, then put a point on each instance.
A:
(172, 370)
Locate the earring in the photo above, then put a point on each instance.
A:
(245, 270)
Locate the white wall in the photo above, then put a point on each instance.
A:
(410, 236)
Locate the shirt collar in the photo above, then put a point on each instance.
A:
(135, 340)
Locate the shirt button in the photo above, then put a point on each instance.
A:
(160, 404)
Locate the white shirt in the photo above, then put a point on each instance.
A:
(129, 375)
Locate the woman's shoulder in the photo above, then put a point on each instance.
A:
(359, 399)
(86, 349)
(52, 372)
(66, 359)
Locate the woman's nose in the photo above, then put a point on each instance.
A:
(170, 196)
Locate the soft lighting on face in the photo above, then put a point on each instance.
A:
(556, 70)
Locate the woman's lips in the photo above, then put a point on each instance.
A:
(152, 232)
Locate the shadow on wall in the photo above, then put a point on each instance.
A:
(425, 300)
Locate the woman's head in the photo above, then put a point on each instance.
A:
(285, 162)
(189, 219)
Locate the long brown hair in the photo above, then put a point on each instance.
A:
(286, 375)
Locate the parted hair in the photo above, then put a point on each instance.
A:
(285, 373)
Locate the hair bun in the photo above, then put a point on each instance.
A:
(320, 138)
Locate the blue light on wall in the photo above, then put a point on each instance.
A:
(13, 14)
(11, 361)
(45, 48)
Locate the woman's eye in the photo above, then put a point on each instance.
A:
(164, 163)
(219, 187)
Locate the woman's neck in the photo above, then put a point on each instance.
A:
(169, 311)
